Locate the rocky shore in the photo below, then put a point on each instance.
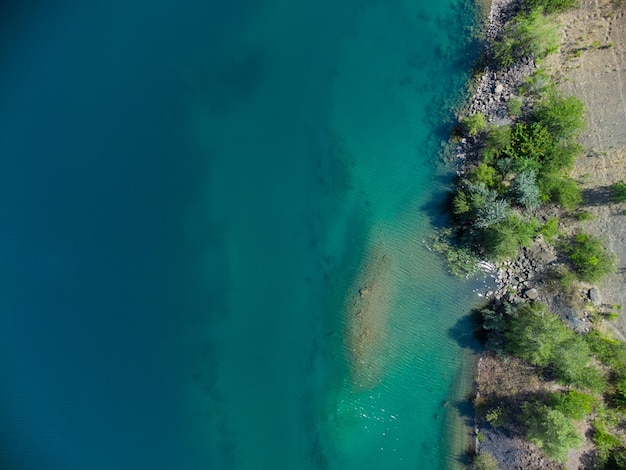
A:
(530, 276)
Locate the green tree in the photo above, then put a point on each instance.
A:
(525, 189)
(534, 333)
(551, 430)
(571, 363)
(573, 404)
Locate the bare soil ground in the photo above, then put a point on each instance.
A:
(592, 66)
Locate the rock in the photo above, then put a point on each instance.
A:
(594, 296)
(499, 88)
(531, 294)
(364, 291)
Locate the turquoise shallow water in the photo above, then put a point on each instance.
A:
(193, 194)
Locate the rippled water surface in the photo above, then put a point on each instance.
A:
(213, 245)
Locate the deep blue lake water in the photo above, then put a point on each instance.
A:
(192, 195)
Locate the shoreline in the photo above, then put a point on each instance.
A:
(521, 278)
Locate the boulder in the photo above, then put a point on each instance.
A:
(531, 294)
(594, 296)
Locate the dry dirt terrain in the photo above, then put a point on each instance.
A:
(592, 66)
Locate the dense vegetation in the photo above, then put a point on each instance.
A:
(521, 167)
(591, 369)
(500, 203)
(524, 166)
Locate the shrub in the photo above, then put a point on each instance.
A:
(552, 6)
(605, 442)
(498, 139)
(571, 365)
(537, 83)
(562, 116)
(530, 144)
(561, 157)
(550, 229)
(496, 417)
(528, 34)
(610, 352)
(479, 206)
(485, 461)
(484, 174)
(539, 337)
(618, 191)
(474, 124)
(525, 189)
(515, 106)
(551, 430)
(585, 215)
(500, 243)
(589, 257)
(563, 191)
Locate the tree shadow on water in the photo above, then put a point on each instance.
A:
(468, 332)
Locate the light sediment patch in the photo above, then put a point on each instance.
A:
(367, 319)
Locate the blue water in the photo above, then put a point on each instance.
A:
(192, 194)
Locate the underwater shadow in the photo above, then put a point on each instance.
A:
(468, 332)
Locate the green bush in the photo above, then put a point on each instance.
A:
(491, 213)
(619, 397)
(618, 191)
(562, 116)
(590, 259)
(479, 206)
(485, 461)
(611, 352)
(502, 240)
(530, 145)
(561, 157)
(563, 191)
(474, 124)
(496, 417)
(515, 106)
(605, 442)
(528, 34)
(584, 216)
(550, 229)
(551, 430)
(552, 6)
(537, 83)
(500, 243)
(571, 365)
(498, 139)
(484, 174)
